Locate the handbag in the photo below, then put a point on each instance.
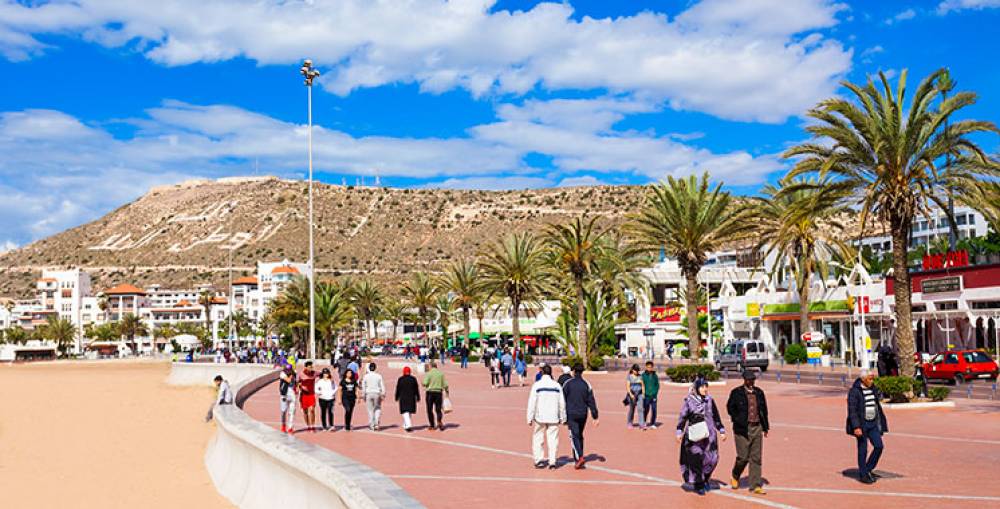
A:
(697, 429)
(446, 406)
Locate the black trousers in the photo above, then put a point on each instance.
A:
(434, 401)
(348, 413)
(576, 425)
(326, 412)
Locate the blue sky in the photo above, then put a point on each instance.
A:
(102, 99)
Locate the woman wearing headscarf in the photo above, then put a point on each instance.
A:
(407, 394)
(699, 427)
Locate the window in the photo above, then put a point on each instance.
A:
(937, 359)
(976, 357)
(972, 219)
(947, 305)
(752, 347)
(986, 304)
(960, 219)
(951, 358)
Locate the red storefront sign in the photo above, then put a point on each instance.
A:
(669, 313)
(951, 259)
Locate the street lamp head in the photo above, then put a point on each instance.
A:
(307, 63)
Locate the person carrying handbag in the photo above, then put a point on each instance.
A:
(699, 428)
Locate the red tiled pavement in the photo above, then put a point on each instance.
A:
(939, 456)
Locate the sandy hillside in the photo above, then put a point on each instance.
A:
(105, 434)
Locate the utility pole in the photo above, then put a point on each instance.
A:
(310, 74)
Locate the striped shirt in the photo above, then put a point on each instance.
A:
(871, 410)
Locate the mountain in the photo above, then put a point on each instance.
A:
(181, 235)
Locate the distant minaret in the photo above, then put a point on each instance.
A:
(377, 182)
(343, 181)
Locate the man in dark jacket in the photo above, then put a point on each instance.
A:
(579, 399)
(747, 408)
(866, 421)
(565, 376)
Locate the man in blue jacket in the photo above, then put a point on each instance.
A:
(867, 423)
(579, 399)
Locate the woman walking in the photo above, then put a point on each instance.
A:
(407, 394)
(326, 391)
(521, 367)
(494, 372)
(348, 396)
(633, 384)
(699, 427)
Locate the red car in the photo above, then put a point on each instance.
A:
(959, 366)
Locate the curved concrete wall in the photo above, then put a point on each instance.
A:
(202, 373)
(256, 467)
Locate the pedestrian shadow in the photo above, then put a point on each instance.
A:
(588, 458)
(852, 473)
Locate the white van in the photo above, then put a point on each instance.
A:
(743, 354)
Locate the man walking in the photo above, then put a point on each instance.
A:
(373, 388)
(747, 408)
(506, 365)
(579, 396)
(866, 421)
(465, 356)
(435, 387)
(286, 390)
(546, 411)
(651, 388)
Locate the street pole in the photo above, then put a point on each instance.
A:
(309, 73)
(230, 299)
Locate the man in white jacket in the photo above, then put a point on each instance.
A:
(546, 411)
(373, 388)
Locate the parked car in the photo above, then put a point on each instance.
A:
(959, 366)
(743, 354)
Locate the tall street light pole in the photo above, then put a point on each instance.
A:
(309, 74)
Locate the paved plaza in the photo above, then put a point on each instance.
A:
(940, 456)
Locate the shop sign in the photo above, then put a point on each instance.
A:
(753, 309)
(941, 285)
(948, 260)
(665, 314)
(649, 332)
(669, 313)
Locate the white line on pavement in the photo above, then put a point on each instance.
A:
(521, 479)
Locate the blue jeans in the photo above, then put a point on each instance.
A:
(870, 432)
(505, 373)
(465, 362)
(649, 406)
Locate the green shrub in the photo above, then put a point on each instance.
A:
(474, 358)
(899, 389)
(596, 362)
(686, 353)
(796, 353)
(938, 393)
(686, 373)
(606, 350)
(529, 359)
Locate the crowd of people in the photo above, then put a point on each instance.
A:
(570, 401)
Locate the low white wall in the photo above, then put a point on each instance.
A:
(202, 373)
(256, 467)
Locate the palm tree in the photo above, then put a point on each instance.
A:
(574, 250)
(420, 293)
(516, 269)
(798, 223)
(205, 300)
(367, 298)
(290, 311)
(59, 330)
(617, 275)
(17, 335)
(443, 306)
(394, 310)
(334, 310)
(131, 326)
(688, 220)
(242, 323)
(461, 280)
(891, 159)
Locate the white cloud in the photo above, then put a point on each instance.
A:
(7, 245)
(904, 15)
(491, 183)
(57, 171)
(730, 58)
(960, 5)
(585, 180)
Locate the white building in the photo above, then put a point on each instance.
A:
(926, 230)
